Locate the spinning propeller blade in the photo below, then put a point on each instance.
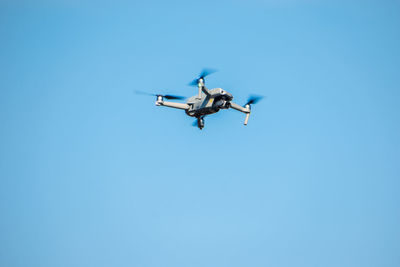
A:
(204, 73)
(173, 97)
(253, 99)
(165, 96)
(143, 93)
(194, 82)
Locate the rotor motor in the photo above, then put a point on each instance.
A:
(160, 99)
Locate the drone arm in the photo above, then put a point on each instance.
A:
(172, 104)
(247, 118)
(245, 109)
(240, 108)
(204, 89)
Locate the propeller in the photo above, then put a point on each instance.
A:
(165, 96)
(253, 99)
(203, 74)
(172, 96)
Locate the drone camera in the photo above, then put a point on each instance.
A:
(222, 104)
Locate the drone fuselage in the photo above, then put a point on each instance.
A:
(206, 104)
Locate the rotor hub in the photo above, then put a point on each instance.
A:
(160, 100)
(201, 81)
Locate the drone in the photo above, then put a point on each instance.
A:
(206, 102)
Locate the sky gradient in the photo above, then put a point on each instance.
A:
(92, 174)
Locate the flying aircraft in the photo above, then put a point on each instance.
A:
(206, 102)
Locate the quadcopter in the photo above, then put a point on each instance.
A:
(206, 102)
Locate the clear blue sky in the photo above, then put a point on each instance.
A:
(93, 175)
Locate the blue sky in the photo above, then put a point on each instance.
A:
(92, 174)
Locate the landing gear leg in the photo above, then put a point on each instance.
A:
(200, 122)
